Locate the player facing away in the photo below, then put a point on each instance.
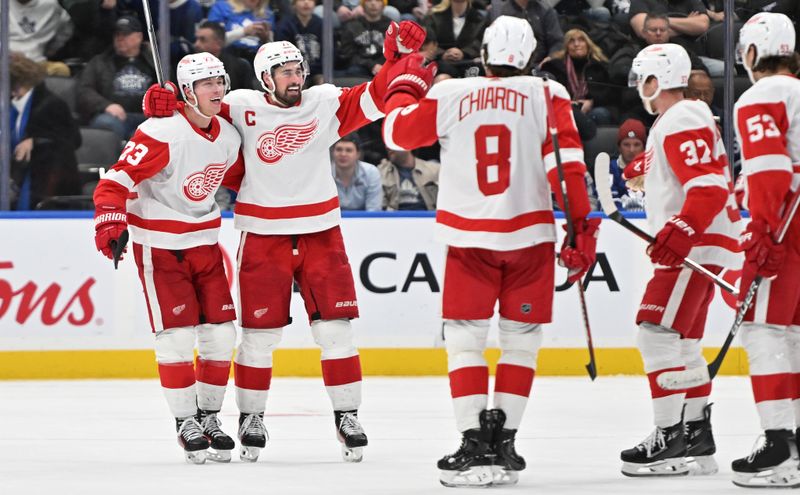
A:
(691, 207)
(767, 118)
(288, 212)
(162, 190)
(496, 217)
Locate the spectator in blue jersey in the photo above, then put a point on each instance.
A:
(631, 140)
(248, 24)
(304, 30)
(358, 183)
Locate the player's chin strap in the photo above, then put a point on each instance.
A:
(647, 101)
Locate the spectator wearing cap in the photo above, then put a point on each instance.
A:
(358, 183)
(631, 140)
(113, 83)
(38, 28)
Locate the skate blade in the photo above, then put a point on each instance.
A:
(352, 454)
(784, 475)
(219, 455)
(702, 465)
(501, 476)
(667, 467)
(196, 456)
(476, 476)
(249, 454)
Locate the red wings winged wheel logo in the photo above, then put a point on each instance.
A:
(287, 139)
(199, 185)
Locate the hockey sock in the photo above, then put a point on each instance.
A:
(341, 366)
(520, 343)
(467, 369)
(770, 374)
(252, 369)
(697, 397)
(661, 352)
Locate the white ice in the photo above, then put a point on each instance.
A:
(117, 437)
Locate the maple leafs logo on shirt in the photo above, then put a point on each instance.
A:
(287, 139)
(199, 185)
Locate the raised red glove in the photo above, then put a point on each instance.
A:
(635, 168)
(761, 253)
(160, 102)
(412, 75)
(399, 40)
(673, 242)
(580, 258)
(109, 223)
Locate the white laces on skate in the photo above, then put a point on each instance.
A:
(758, 447)
(190, 429)
(212, 424)
(350, 425)
(253, 425)
(654, 442)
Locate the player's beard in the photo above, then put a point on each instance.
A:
(290, 96)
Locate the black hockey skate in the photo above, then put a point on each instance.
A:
(700, 440)
(471, 464)
(252, 436)
(663, 453)
(507, 463)
(772, 464)
(191, 439)
(220, 443)
(350, 434)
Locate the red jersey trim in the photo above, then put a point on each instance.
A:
(284, 212)
(173, 226)
(214, 128)
(719, 240)
(494, 224)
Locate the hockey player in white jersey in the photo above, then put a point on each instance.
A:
(496, 216)
(691, 209)
(162, 191)
(767, 118)
(288, 212)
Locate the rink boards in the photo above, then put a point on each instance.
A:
(66, 313)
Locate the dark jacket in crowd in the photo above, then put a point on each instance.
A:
(53, 167)
(94, 29)
(440, 30)
(239, 71)
(596, 75)
(307, 39)
(96, 88)
(362, 42)
(545, 24)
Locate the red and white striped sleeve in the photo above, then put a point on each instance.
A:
(571, 152)
(142, 158)
(692, 156)
(411, 126)
(766, 162)
(358, 106)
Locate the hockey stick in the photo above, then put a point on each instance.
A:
(602, 164)
(553, 129)
(679, 380)
(118, 246)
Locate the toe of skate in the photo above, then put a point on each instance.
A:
(473, 476)
(352, 454)
(249, 454)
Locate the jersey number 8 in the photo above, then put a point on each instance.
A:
(493, 152)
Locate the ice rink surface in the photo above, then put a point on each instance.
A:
(117, 437)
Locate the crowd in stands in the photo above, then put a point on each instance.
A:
(586, 45)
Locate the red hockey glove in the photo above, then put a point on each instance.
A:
(411, 75)
(580, 258)
(673, 242)
(402, 39)
(635, 168)
(160, 102)
(761, 253)
(109, 223)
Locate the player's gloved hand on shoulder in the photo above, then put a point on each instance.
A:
(673, 242)
(412, 75)
(401, 39)
(160, 102)
(634, 173)
(761, 253)
(580, 258)
(109, 223)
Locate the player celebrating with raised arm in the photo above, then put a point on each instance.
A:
(162, 189)
(496, 217)
(691, 207)
(288, 211)
(767, 120)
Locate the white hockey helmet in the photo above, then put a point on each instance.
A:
(508, 41)
(772, 35)
(197, 66)
(668, 63)
(273, 54)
